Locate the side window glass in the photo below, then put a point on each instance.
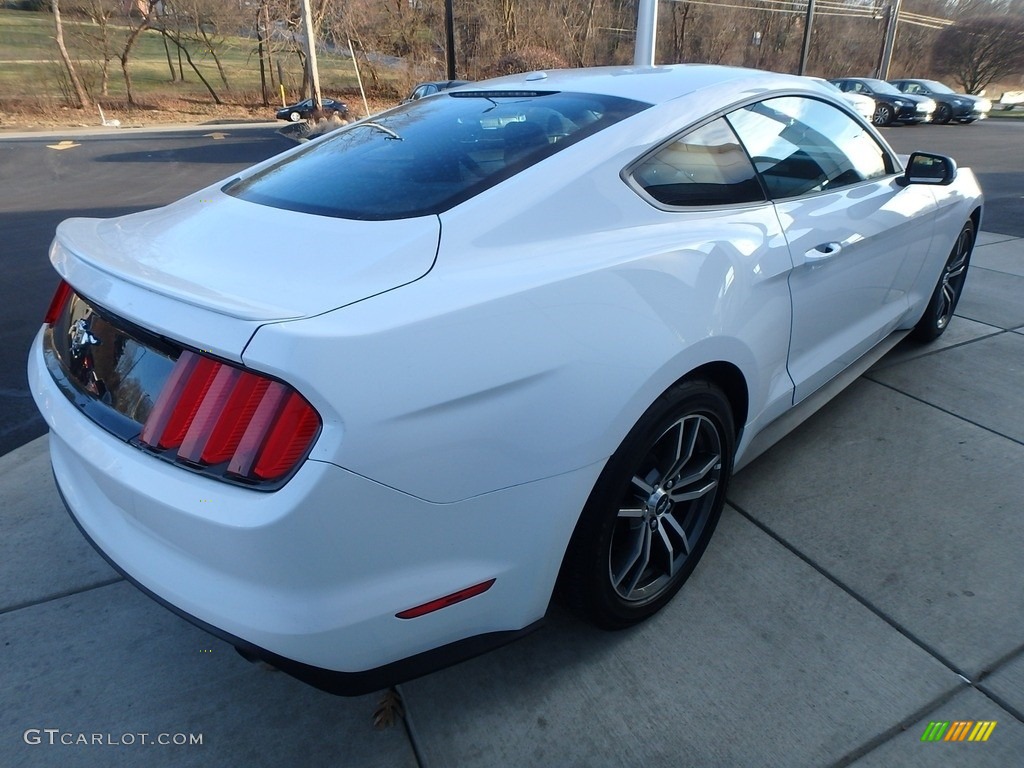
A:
(707, 166)
(803, 146)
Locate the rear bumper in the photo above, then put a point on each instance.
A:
(329, 680)
(310, 577)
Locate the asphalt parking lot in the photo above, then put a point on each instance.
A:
(864, 582)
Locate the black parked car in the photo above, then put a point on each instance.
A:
(949, 105)
(304, 110)
(891, 106)
(429, 89)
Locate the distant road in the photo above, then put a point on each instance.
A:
(106, 174)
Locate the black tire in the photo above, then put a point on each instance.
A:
(942, 305)
(653, 509)
(943, 114)
(294, 117)
(883, 115)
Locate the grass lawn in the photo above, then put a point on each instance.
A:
(30, 67)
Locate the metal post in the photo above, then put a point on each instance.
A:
(890, 40)
(646, 33)
(807, 37)
(449, 38)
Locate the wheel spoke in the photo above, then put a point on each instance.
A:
(667, 543)
(644, 486)
(957, 269)
(638, 546)
(639, 564)
(670, 519)
(630, 512)
(685, 445)
(695, 493)
(693, 477)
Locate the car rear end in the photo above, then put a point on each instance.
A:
(205, 482)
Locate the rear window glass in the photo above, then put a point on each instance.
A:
(425, 157)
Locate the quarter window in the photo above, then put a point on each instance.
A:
(705, 167)
(803, 146)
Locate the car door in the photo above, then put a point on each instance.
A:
(857, 238)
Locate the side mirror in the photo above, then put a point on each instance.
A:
(927, 168)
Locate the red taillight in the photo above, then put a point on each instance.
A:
(444, 602)
(214, 413)
(58, 302)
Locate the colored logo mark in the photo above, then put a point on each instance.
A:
(958, 730)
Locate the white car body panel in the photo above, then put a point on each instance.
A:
(848, 300)
(473, 370)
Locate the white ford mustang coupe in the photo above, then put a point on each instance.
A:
(538, 323)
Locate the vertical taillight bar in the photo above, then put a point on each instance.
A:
(58, 302)
(212, 413)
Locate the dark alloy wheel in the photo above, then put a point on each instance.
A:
(883, 115)
(947, 293)
(943, 114)
(653, 509)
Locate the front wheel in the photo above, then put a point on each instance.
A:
(653, 509)
(294, 117)
(943, 114)
(883, 115)
(947, 293)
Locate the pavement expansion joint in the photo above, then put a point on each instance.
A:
(920, 643)
(875, 742)
(61, 595)
(946, 411)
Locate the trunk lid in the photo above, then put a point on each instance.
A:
(249, 261)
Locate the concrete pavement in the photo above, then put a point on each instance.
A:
(866, 579)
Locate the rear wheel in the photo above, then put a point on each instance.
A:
(944, 299)
(883, 115)
(653, 509)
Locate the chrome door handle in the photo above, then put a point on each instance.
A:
(823, 251)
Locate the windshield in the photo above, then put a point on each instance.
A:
(880, 86)
(427, 156)
(936, 87)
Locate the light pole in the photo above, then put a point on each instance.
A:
(807, 37)
(890, 40)
(449, 38)
(646, 33)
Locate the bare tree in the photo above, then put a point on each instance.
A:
(149, 10)
(80, 92)
(99, 36)
(978, 50)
